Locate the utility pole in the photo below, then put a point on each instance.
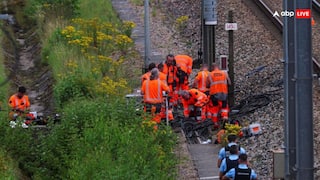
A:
(289, 86)
(210, 20)
(146, 36)
(231, 62)
(303, 89)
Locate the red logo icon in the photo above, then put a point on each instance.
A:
(303, 13)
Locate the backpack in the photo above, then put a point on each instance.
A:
(231, 164)
(242, 174)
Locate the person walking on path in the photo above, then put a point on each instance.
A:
(225, 151)
(242, 171)
(229, 162)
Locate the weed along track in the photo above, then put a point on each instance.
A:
(22, 53)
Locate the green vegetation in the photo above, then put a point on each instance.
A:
(100, 135)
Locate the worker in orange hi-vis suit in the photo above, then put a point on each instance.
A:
(146, 75)
(194, 101)
(152, 90)
(218, 82)
(184, 64)
(170, 69)
(163, 77)
(19, 104)
(200, 81)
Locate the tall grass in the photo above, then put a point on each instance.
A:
(8, 167)
(102, 9)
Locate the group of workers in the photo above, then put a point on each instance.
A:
(204, 98)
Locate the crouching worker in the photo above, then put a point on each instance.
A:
(19, 104)
(194, 103)
(152, 95)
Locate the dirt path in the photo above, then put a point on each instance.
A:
(23, 60)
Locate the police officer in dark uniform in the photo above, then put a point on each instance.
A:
(223, 153)
(229, 162)
(242, 171)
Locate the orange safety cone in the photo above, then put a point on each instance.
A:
(313, 22)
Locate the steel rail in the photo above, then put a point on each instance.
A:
(316, 5)
(278, 23)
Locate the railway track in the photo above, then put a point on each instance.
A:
(316, 5)
(277, 22)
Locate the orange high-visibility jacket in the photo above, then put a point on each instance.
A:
(152, 91)
(21, 104)
(145, 76)
(184, 62)
(201, 80)
(218, 81)
(171, 73)
(163, 77)
(197, 98)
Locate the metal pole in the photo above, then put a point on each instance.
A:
(289, 85)
(209, 46)
(210, 20)
(146, 35)
(304, 112)
(231, 62)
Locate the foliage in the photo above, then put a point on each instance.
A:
(100, 136)
(128, 151)
(97, 42)
(72, 87)
(137, 2)
(62, 8)
(181, 23)
(230, 129)
(8, 167)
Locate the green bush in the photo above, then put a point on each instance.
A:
(115, 145)
(56, 8)
(72, 87)
(99, 136)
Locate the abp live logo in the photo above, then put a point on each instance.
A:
(303, 13)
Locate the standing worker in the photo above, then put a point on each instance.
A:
(146, 75)
(162, 76)
(242, 171)
(200, 81)
(170, 69)
(218, 82)
(184, 64)
(152, 95)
